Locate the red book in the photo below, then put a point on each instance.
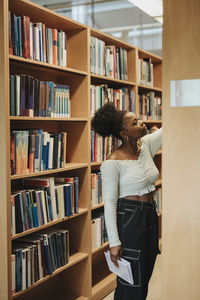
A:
(55, 46)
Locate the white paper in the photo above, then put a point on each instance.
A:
(124, 270)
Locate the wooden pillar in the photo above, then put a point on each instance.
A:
(181, 155)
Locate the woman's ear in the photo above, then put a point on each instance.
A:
(123, 134)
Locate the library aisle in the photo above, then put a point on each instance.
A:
(155, 283)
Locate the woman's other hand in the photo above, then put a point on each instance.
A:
(116, 253)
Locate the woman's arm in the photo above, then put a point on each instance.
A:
(153, 141)
(110, 179)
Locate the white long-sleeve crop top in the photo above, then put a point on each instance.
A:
(122, 178)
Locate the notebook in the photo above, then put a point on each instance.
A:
(123, 271)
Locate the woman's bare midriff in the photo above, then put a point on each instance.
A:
(145, 198)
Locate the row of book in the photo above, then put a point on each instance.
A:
(35, 41)
(36, 256)
(145, 71)
(99, 232)
(100, 147)
(150, 107)
(43, 200)
(108, 61)
(123, 99)
(37, 150)
(158, 199)
(32, 97)
(96, 189)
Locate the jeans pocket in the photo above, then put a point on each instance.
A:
(134, 257)
(129, 215)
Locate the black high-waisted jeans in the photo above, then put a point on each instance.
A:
(137, 223)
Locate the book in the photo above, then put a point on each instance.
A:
(123, 271)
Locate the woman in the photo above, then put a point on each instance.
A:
(128, 178)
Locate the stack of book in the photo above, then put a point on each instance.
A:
(96, 189)
(145, 71)
(110, 61)
(38, 255)
(99, 232)
(32, 97)
(150, 107)
(123, 99)
(36, 150)
(43, 200)
(35, 41)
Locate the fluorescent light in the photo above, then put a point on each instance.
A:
(154, 8)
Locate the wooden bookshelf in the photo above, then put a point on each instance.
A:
(86, 267)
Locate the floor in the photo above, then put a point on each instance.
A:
(155, 283)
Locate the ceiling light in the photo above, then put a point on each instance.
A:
(154, 8)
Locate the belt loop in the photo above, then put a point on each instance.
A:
(119, 202)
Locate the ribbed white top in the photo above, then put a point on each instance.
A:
(121, 178)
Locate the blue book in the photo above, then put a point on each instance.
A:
(67, 188)
(18, 255)
(29, 209)
(51, 108)
(48, 201)
(34, 209)
(47, 156)
(47, 254)
(76, 195)
(19, 27)
(92, 145)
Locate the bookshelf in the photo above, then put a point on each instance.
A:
(86, 267)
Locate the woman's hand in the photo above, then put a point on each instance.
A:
(116, 253)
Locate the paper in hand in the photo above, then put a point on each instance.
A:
(124, 270)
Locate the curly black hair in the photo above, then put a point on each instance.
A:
(107, 120)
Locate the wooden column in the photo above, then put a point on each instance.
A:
(4, 149)
(181, 155)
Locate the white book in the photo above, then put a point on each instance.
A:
(31, 40)
(123, 271)
(43, 203)
(51, 141)
(17, 95)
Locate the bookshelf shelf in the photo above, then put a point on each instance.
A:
(97, 206)
(12, 118)
(69, 166)
(50, 67)
(48, 225)
(149, 88)
(98, 163)
(104, 287)
(159, 152)
(112, 81)
(100, 248)
(158, 182)
(152, 121)
(73, 259)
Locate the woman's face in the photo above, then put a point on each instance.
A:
(133, 126)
